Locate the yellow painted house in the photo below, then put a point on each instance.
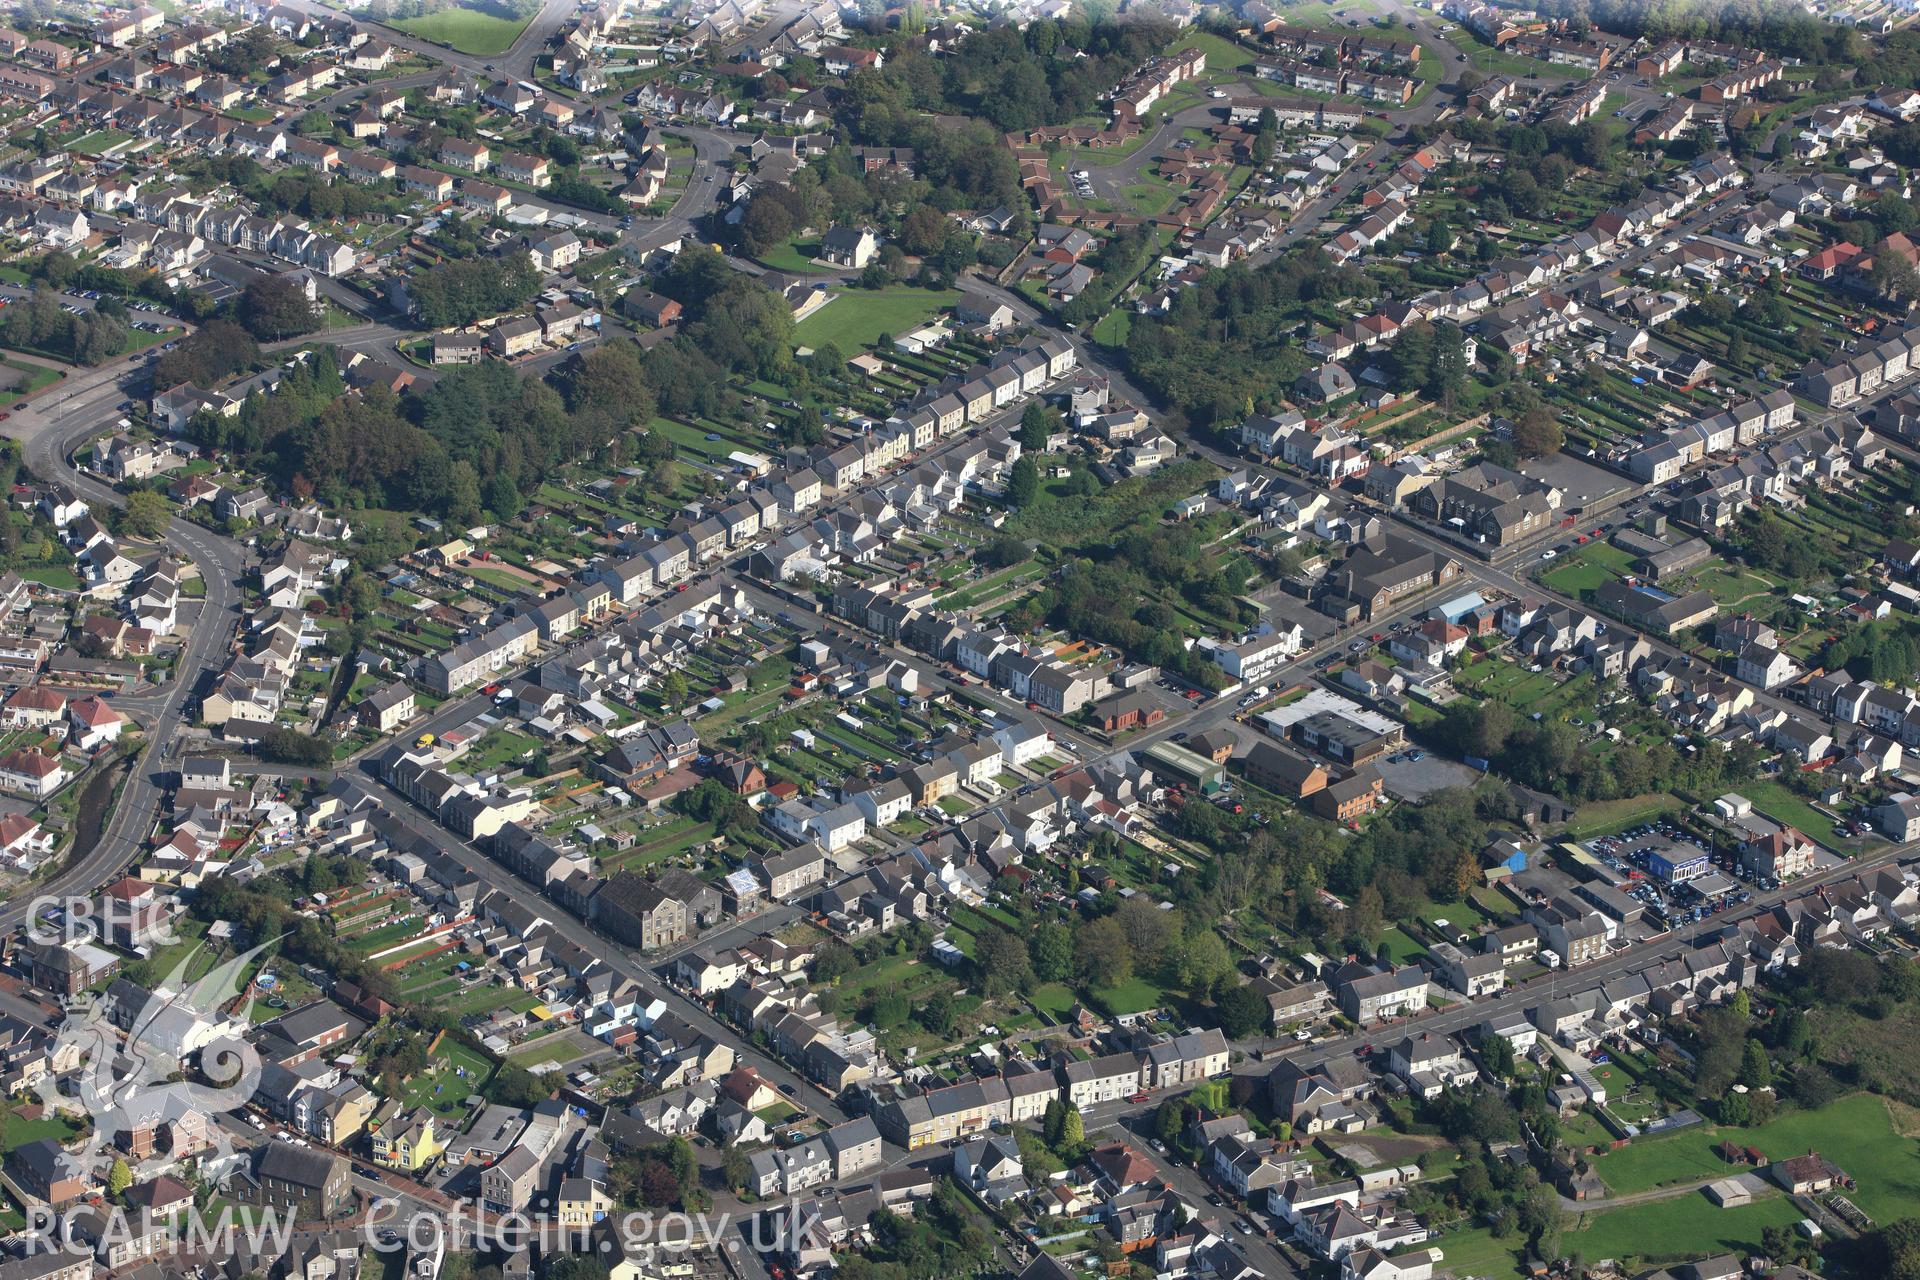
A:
(406, 1141)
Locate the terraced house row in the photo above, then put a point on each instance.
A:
(930, 1117)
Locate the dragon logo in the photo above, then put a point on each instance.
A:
(135, 1074)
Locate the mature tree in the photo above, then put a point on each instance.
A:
(767, 224)
(938, 1013)
(923, 230)
(146, 515)
(274, 307)
(1036, 424)
(1200, 961)
(1073, 1133)
(1001, 957)
(1149, 929)
(1896, 1250)
(215, 351)
(1243, 1011)
(119, 1178)
(1052, 952)
(1537, 433)
(1105, 955)
(1266, 136)
(1894, 276)
(736, 1171)
(1023, 481)
(513, 1086)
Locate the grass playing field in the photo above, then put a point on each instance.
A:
(467, 30)
(857, 317)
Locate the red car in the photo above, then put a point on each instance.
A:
(1138, 1097)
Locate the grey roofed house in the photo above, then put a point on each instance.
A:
(1329, 382)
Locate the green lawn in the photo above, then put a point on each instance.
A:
(857, 318)
(98, 142)
(1587, 568)
(1782, 805)
(1669, 1230)
(1132, 996)
(20, 1132)
(1054, 1000)
(37, 376)
(1684, 1227)
(441, 1088)
(549, 1051)
(52, 576)
(466, 30)
(1111, 329)
(796, 257)
(1856, 1133)
(1603, 816)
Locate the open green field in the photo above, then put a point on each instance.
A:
(795, 257)
(1604, 816)
(1133, 996)
(1732, 587)
(1054, 1000)
(1684, 1227)
(466, 30)
(857, 318)
(1587, 568)
(1782, 805)
(1222, 53)
(441, 1088)
(1857, 1133)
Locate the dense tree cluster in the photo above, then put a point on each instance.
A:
(38, 324)
(946, 1236)
(1051, 71)
(273, 307)
(215, 351)
(1111, 597)
(1430, 358)
(263, 909)
(1766, 541)
(1893, 1251)
(665, 1175)
(1886, 652)
(907, 210)
(1553, 756)
(459, 293)
(1232, 344)
(1778, 29)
